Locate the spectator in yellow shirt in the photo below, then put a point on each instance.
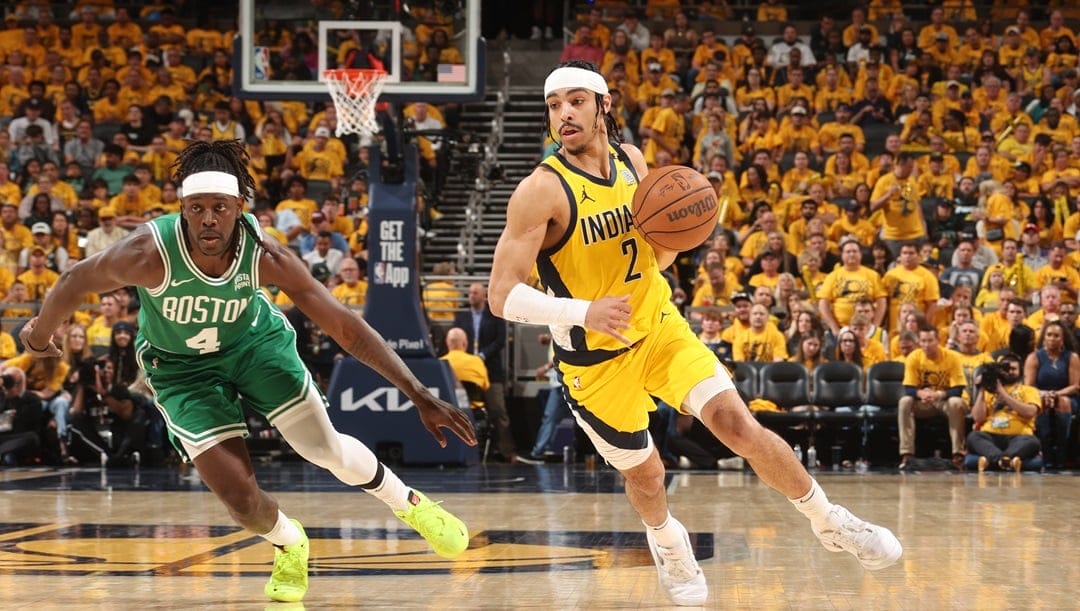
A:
(762, 342)
(896, 195)
(933, 384)
(799, 135)
(84, 34)
(910, 282)
(928, 34)
(754, 89)
(656, 81)
(936, 183)
(990, 99)
(353, 290)
(1011, 53)
(720, 286)
(772, 10)
(467, 368)
(853, 223)
(667, 130)
(845, 285)
(319, 162)
(38, 278)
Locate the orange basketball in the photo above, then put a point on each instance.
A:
(675, 208)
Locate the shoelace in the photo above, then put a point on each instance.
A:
(677, 565)
(429, 519)
(290, 567)
(852, 531)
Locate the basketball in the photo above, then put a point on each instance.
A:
(675, 208)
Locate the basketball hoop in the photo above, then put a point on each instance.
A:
(355, 93)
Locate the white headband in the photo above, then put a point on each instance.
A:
(210, 182)
(564, 77)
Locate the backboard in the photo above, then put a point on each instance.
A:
(431, 49)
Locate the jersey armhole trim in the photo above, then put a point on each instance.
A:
(159, 243)
(572, 223)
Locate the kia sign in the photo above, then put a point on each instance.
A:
(363, 404)
(386, 399)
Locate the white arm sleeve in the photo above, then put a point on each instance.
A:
(528, 305)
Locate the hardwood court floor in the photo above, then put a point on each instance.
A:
(543, 537)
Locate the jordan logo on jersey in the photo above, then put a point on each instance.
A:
(585, 195)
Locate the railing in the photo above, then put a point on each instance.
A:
(481, 195)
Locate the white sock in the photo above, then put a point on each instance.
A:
(283, 533)
(814, 504)
(669, 534)
(392, 491)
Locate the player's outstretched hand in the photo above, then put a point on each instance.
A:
(610, 315)
(437, 414)
(49, 349)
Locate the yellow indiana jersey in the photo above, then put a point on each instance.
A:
(602, 254)
(942, 373)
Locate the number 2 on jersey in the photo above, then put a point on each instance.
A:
(205, 341)
(629, 247)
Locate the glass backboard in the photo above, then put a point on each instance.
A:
(430, 49)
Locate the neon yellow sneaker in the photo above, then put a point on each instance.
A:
(447, 535)
(289, 580)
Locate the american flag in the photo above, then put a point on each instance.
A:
(451, 73)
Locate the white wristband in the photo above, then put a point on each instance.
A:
(528, 305)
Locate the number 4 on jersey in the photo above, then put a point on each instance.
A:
(205, 341)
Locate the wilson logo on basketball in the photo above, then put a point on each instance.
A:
(703, 206)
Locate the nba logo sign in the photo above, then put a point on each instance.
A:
(380, 273)
(260, 62)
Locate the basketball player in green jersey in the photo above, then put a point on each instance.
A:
(618, 339)
(208, 335)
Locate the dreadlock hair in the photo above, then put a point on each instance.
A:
(227, 156)
(613, 133)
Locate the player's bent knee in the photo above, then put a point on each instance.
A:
(242, 497)
(735, 428)
(647, 477)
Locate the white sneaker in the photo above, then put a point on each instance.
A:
(874, 546)
(684, 463)
(678, 571)
(537, 33)
(735, 463)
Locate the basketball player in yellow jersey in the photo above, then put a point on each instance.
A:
(618, 339)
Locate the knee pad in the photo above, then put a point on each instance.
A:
(705, 390)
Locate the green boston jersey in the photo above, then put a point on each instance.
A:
(190, 312)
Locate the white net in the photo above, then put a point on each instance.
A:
(355, 93)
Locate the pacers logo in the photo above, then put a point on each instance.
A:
(124, 549)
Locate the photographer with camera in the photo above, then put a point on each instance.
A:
(1004, 413)
(45, 378)
(107, 423)
(23, 424)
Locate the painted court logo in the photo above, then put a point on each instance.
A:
(158, 550)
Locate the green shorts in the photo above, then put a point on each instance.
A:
(200, 395)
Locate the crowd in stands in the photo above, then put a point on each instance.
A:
(889, 189)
